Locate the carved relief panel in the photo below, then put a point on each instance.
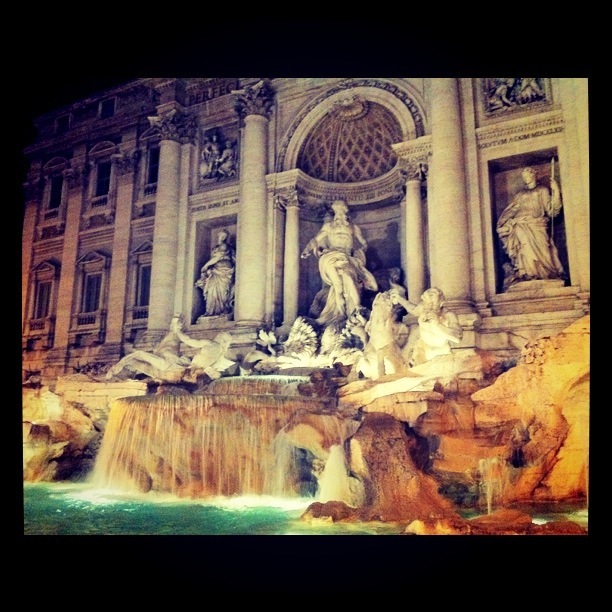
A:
(508, 95)
(218, 155)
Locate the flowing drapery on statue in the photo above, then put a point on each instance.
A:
(523, 231)
(217, 278)
(340, 247)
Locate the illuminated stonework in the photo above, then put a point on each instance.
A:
(352, 143)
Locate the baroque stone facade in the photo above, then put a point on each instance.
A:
(128, 191)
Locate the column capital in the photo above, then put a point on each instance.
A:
(254, 99)
(76, 175)
(413, 170)
(175, 125)
(126, 162)
(286, 197)
(32, 190)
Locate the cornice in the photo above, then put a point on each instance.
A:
(83, 134)
(389, 187)
(413, 157)
(525, 128)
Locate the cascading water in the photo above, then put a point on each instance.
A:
(228, 441)
(493, 479)
(335, 482)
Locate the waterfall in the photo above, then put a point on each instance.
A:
(493, 479)
(335, 483)
(258, 385)
(230, 442)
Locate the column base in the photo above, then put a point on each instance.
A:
(152, 337)
(460, 306)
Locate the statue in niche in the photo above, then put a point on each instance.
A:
(395, 275)
(438, 327)
(166, 364)
(524, 232)
(340, 247)
(217, 277)
(318, 303)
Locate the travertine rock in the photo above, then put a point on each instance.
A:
(395, 488)
(417, 455)
(62, 430)
(547, 397)
(501, 522)
(56, 439)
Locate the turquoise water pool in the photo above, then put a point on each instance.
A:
(79, 509)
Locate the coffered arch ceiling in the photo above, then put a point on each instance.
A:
(340, 142)
(379, 111)
(351, 142)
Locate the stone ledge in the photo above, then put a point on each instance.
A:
(396, 395)
(536, 296)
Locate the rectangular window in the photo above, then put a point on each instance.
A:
(103, 178)
(107, 108)
(91, 292)
(55, 197)
(153, 168)
(42, 299)
(144, 285)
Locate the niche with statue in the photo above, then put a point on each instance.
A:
(215, 272)
(528, 221)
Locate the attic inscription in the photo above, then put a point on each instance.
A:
(212, 205)
(213, 89)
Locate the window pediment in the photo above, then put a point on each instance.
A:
(45, 270)
(151, 134)
(144, 248)
(56, 164)
(103, 149)
(94, 260)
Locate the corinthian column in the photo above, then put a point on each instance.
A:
(176, 128)
(253, 104)
(291, 276)
(447, 206)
